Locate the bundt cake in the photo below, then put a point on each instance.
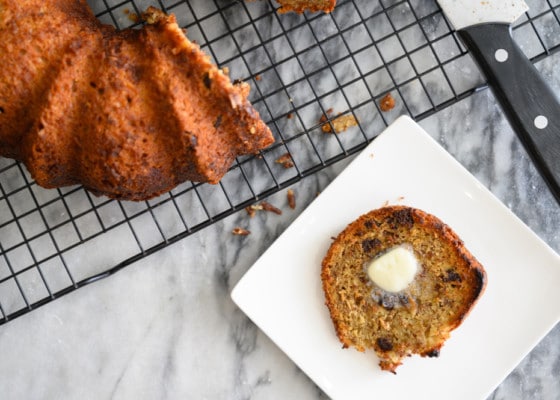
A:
(300, 6)
(398, 280)
(129, 114)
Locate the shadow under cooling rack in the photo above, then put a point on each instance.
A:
(305, 72)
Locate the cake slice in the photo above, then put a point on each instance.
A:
(398, 281)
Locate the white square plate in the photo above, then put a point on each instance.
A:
(282, 292)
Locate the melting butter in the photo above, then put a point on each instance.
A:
(394, 270)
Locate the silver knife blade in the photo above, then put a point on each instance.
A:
(464, 13)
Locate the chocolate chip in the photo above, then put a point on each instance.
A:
(385, 344)
(403, 298)
(433, 353)
(388, 301)
(1, 110)
(370, 244)
(452, 276)
(402, 218)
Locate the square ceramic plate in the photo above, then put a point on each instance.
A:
(282, 292)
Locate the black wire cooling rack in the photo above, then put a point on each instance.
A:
(305, 71)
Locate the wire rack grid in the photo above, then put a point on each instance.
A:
(305, 71)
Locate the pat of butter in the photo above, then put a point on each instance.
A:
(394, 270)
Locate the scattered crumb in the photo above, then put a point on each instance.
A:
(289, 116)
(340, 124)
(291, 199)
(240, 231)
(324, 118)
(263, 206)
(252, 210)
(370, 155)
(400, 198)
(387, 103)
(285, 160)
(258, 77)
(269, 207)
(386, 203)
(131, 15)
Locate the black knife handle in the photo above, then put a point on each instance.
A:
(531, 107)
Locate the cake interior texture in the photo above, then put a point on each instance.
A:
(416, 320)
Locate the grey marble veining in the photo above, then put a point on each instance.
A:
(166, 328)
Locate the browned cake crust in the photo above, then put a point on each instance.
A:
(416, 320)
(128, 114)
(300, 6)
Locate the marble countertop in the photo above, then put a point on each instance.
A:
(166, 327)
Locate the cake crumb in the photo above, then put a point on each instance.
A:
(326, 115)
(263, 206)
(285, 160)
(252, 209)
(266, 206)
(132, 15)
(340, 124)
(291, 199)
(240, 231)
(387, 102)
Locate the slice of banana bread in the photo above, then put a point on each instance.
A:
(417, 319)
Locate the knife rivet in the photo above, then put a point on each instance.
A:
(541, 122)
(501, 55)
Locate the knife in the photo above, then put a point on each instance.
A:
(529, 104)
